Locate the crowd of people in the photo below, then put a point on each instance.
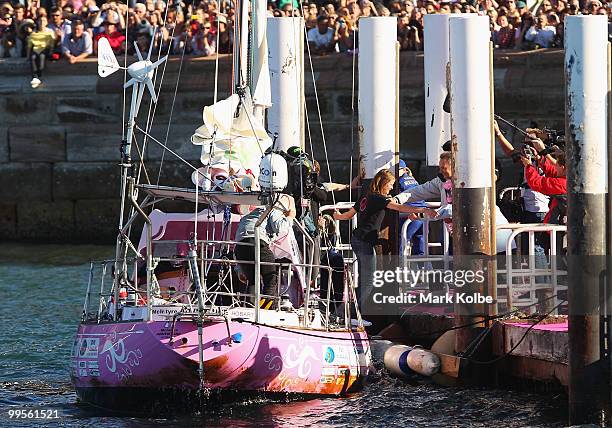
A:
(38, 29)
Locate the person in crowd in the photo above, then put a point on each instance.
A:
(321, 39)
(7, 30)
(534, 204)
(541, 34)
(346, 35)
(278, 221)
(370, 208)
(203, 41)
(552, 182)
(39, 45)
(115, 37)
(225, 36)
(60, 27)
(503, 37)
(78, 45)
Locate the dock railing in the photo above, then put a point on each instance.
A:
(526, 279)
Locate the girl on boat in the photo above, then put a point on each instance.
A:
(370, 208)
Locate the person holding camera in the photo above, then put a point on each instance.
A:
(551, 182)
(345, 34)
(534, 204)
(541, 34)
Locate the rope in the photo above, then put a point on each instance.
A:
(171, 112)
(314, 85)
(506, 354)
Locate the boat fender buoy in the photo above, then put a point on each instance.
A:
(403, 361)
(396, 360)
(423, 362)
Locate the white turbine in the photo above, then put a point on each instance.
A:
(141, 73)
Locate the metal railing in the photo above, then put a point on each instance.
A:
(528, 278)
(531, 278)
(221, 292)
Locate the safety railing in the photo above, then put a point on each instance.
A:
(539, 272)
(531, 279)
(330, 309)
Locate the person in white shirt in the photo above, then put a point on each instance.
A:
(541, 34)
(322, 38)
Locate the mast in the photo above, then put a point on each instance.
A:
(259, 76)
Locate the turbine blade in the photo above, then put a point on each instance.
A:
(129, 83)
(138, 52)
(151, 89)
(152, 43)
(159, 61)
(141, 88)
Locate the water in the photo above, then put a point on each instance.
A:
(41, 296)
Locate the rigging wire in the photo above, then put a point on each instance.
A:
(178, 79)
(314, 85)
(350, 181)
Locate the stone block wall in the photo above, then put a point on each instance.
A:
(59, 144)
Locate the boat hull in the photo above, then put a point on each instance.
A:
(132, 365)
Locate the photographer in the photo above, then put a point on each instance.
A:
(541, 35)
(345, 35)
(552, 182)
(534, 204)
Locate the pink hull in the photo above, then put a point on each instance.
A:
(131, 356)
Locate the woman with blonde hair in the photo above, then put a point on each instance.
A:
(371, 213)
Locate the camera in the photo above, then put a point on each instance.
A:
(554, 137)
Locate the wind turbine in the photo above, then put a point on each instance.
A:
(141, 73)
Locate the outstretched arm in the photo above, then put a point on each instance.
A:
(411, 210)
(345, 215)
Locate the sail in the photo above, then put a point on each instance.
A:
(229, 140)
(260, 71)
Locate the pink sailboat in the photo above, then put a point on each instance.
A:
(168, 319)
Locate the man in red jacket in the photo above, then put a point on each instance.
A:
(552, 182)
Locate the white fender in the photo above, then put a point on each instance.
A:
(403, 361)
(396, 360)
(423, 362)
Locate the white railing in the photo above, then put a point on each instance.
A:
(530, 277)
(538, 273)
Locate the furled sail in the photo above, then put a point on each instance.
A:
(230, 137)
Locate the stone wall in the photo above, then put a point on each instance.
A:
(59, 144)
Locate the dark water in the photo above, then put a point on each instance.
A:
(41, 296)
